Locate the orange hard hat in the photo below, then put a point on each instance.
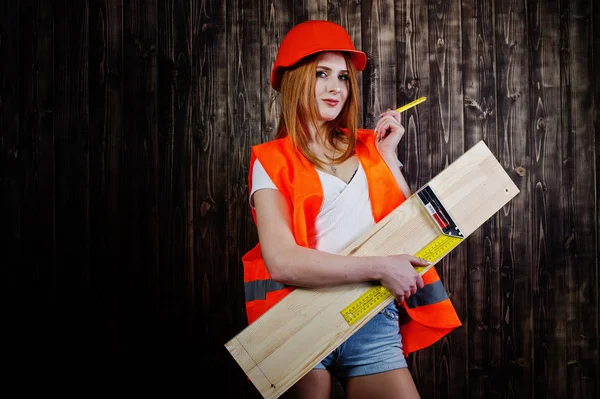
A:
(311, 37)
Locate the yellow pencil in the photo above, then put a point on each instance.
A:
(411, 104)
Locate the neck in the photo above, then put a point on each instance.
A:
(317, 135)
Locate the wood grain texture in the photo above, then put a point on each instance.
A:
(211, 144)
(309, 10)
(125, 134)
(413, 81)
(138, 180)
(546, 216)
(580, 219)
(483, 253)
(173, 171)
(244, 119)
(595, 64)
(13, 281)
(276, 20)
(514, 128)
(29, 174)
(106, 138)
(10, 169)
(68, 149)
(379, 76)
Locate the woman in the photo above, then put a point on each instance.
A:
(315, 189)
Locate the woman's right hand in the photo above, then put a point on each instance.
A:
(400, 277)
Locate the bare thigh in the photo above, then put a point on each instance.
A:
(396, 384)
(316, 384)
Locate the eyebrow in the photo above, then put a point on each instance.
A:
(329, 69)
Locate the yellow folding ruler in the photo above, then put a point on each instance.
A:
(450, 236)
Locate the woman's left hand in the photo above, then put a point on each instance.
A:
(388, 132)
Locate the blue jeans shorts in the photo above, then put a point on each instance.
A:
(376, 347)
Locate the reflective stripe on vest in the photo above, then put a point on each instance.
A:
(428, 295)
(258, 289)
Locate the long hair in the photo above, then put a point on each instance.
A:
(299, 110)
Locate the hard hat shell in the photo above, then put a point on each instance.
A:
(311, 37)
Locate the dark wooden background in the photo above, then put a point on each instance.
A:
(125, 135)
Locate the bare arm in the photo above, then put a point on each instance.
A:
(391, 161)
(291, 264)
(389, 132)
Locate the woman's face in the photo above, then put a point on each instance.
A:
(332, 87)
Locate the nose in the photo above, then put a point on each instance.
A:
(335, 90)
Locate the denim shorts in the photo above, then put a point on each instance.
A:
(376, 347)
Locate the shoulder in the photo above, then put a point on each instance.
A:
(273, 148)
(271, 143)
(278, 157)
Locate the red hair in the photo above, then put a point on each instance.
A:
(299, 110)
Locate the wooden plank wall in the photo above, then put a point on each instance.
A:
(125, 131)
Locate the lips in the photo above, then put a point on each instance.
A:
(331, 103)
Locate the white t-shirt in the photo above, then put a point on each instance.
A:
(345, 213)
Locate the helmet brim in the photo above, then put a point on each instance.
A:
(359, 59)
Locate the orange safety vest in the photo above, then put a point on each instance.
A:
(431, 314)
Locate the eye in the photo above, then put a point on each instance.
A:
(321, 74)
(343, 78)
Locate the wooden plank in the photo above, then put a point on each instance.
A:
(445, 101)
(10, 168)
(71, 267)
(173, 269)
(137, 181)
(276, 20)
(243, 67)
(210, 168)
(379, 76)
(595, 66)
(514, 128)
(309, 10)
(11, 172)
(106, 135)
(243, 116)
(173, 183)
(484, 365)
(317, 9)
(547, 214)
(37, 159)
(413, 81)
(581, 228)
(27, 174)
(287, 341)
